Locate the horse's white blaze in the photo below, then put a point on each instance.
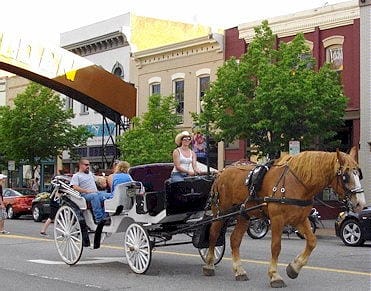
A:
(360, 200)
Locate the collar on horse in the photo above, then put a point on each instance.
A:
(254, 182)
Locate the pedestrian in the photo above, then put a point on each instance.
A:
(3, 214)
(84, 182)
(54, 206)
(36, 185)
(184, 158)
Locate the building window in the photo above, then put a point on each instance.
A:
(334, 51)
(155, 88)
(84, 109)
(334, 56)
(118, 70)
(204, 84)
(69, 103)
(179, 96)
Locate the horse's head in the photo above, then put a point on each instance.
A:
(347, 181)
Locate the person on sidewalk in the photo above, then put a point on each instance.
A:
(3, 214)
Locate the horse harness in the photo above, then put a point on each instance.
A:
(254, 182)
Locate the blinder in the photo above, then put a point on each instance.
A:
(345, 178)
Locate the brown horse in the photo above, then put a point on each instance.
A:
(287, 193)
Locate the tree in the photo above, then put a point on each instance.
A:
(38, 127)
(152, 137)
(274, 95)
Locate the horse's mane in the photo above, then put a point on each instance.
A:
(312, 167)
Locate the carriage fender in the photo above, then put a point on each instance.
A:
(84, 227)
(124, 224)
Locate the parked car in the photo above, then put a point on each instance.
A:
(41, 206)
(18, 201)
(41, 203)
(354, 228)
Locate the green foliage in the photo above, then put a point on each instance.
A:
(272, 96)
(38, 127)
(151, 139)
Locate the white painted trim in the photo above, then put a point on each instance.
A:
(333, 40)
(177, 76)
(205, 71)
(154, 80)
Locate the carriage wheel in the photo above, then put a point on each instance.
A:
(68, 235)
(218, 253)
(137, 248)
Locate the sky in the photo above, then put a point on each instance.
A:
(44, 20)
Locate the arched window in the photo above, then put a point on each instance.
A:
(118, 70)
(334, 51)
(154, 85)
(203, 83)
(178, 91)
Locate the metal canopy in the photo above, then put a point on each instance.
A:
(69, 74)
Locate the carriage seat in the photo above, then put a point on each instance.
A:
(185, 196)
(122, 198)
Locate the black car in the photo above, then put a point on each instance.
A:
(354, 228)
(41, 203)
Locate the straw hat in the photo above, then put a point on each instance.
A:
(179, 136)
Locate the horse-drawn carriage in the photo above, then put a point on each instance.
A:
(148, 214)
(283, 190)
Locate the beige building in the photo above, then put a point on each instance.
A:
(184, 70)
(365, 96)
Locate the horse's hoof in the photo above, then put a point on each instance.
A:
(291, 272)
(278, 284)
(207, 271)
(242, 277)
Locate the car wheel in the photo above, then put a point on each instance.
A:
(10, 212)
(36, 213)
(351, 233)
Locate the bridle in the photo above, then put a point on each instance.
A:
(344, 178)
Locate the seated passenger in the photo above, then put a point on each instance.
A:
(84, 182)
(119, 176)
(184, 158)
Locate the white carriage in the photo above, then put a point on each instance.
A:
(148, 219)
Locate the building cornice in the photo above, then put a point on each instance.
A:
(210, 42)
(306, 21)
(98, 44)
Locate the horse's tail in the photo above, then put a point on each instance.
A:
(214, 192)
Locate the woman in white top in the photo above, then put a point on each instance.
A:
(184, 158)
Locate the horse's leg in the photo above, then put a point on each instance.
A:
(301, 260)
(236, 238)
(276, 280)
(209, 268)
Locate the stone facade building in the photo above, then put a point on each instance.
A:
(184, 69)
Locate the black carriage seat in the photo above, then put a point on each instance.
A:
(187, 196)
(122, 198)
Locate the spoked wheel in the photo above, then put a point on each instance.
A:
(137, 248)
(68, 235)
(218, 254)
(258, 228)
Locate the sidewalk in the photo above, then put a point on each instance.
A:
(328, 231)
